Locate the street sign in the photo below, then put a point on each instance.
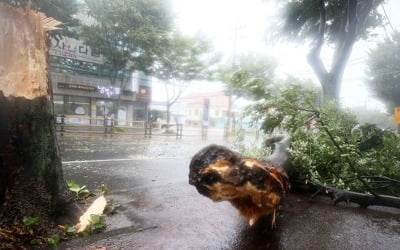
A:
(397, 115)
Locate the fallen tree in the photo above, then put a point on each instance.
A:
(280, 158)
(331, 153)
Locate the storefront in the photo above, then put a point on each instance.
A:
(82, 90)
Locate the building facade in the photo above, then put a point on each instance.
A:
(211, 108)
(83, 91)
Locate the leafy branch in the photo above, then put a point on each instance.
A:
(330, 150)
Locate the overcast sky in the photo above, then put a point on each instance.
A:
(218, 20)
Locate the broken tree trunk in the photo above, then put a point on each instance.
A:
(338, 195)
(254, 187)
(31, 178)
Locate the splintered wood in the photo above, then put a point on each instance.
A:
(255, 188)
(96, 208)
(23, 50)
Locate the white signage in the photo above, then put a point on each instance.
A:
(109, 91)
(74, 49)
(80, 110)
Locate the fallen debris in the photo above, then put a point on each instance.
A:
(96, 208)
(254, 187)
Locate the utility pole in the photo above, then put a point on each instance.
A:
(228, 125)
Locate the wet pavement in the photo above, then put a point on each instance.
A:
(159, 210)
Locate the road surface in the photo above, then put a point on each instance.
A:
(160, 210)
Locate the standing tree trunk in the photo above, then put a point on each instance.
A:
(168, 114)
(352, 25)
(177, 91)
(228, 124)
(31, 177)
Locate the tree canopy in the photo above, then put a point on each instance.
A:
(250, 77)
(129, 34)
(184, 59)
(61, 10)
(302, 19)
(338, 22)
(383, 71)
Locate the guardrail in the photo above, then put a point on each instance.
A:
(109, 126)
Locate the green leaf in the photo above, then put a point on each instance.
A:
(80, 191)
(68, 230)
(103, 189)
(96, 223)
(73, 186)
(95, 218)
(36, 242)
(83, 193)
(53, 240)
(30, 221)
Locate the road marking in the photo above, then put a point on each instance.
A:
(126, 159)
(106, 160)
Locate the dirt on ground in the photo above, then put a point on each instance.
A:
(14, 233)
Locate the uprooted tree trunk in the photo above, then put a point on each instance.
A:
(31, 177)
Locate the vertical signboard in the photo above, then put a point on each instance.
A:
(397, 115)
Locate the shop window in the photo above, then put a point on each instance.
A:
(122, 116)
(143, 79)
(77, 105)
(58, 101)
(139, 114)
(104, 107)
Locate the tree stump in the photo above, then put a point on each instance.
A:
(31, 177)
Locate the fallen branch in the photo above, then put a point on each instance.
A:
(338, 195)
(383, 178)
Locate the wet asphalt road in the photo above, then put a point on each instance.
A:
(159, 210)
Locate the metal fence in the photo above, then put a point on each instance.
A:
(67, 124)
(108, 126)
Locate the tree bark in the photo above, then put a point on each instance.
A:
(28, 147)
(337, 195)
(171, 100)
(31, 176)
(229, 117)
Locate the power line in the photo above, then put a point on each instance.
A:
(387, 17)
